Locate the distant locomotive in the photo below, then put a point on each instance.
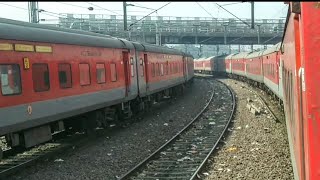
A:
(49, 74)
(290, 70)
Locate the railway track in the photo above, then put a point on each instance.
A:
(15, 162)
(17, 159)
(184, 155)
(263, 101)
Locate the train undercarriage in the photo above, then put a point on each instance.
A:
(86, 123)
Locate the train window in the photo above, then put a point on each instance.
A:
(141, 66)
(177, 67)
(113, 71)
(158, 69)
(132, 67)
(273, 70)
(84, 70)
(40, 77)
(153, 70)
(161, 69)
(10, 79)
(101, 73)
(172, 68)
(65, 79)
(269, 69)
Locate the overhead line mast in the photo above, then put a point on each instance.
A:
(252, 15)
(33, 12)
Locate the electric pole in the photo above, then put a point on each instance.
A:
(33, 12)
(125, 15)
(252, 15)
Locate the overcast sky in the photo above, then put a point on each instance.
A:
(263, 10)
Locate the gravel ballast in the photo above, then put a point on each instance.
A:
(116, 154)
(256, 147)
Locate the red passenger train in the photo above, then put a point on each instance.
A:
(290, 70)
(49, 74)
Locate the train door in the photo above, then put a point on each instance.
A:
(146, 64)
(280, 72)
(184, 67)
(126, 68)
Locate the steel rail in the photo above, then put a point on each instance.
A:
(202, 162)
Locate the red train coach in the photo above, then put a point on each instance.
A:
(199, 65)
(209, 64)
(57, 75)
(271, 70)
(238, 63)
(301, 74)
(253, 66)
(190, 67)
(48, 74)
(228, 64)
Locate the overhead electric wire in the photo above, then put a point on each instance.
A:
(136, 3)
(14, 6)
(96, 9)
(278, 12)
(103, 8)
(205, 9)
(149, 14)
(206, 40)
(233, 14)
(142, 7)
(231, 4)
(270, 39)
(73, 5)
(44, 12)
(236, 39)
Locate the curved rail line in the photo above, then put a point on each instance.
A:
(264, 103)
(169, 155)
(17, 159)
(16, 162)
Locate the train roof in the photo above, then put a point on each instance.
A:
(220, 57)
(210, 58)
(229, 56)
(202, 58)
(159, 49)
(42, 26)
(274, 48)
(40, 33)
(18, 30)
(240, 55)
(255, 54)
(187, 55)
